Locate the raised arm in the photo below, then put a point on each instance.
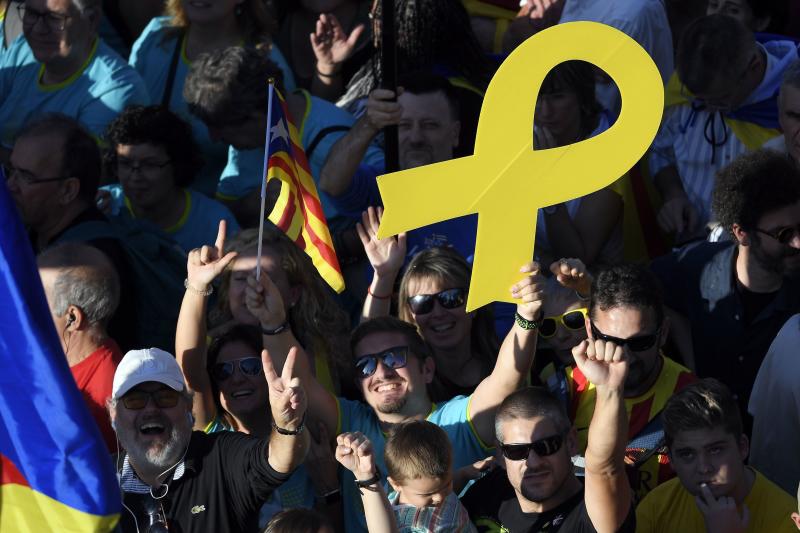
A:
(289, 440)
(263, 300)
(386, 257)
(332, 46)
(514, 361)
(348, 152)
(608, 495)
(203, 265)
(354, 451)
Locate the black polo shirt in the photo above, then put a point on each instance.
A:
(700, 283)
(494, 508)
(226, 479)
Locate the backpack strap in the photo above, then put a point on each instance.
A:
(321, 134)
(173, 67)
(650, 439)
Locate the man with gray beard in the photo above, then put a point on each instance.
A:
(173, 478)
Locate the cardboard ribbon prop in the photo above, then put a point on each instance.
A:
(506, 180)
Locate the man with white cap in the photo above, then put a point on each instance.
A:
(174, 478)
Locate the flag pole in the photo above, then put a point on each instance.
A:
(389, 80)
(270, 90)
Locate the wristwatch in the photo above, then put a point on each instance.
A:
(299, 429)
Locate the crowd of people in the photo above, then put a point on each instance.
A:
(643, 382)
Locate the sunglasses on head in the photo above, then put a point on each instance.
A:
(542, 447)
(572, 320)
(636, 344)
(164, 398)
(782, 235)
(393, 358)
(449, 299)
(248, 366)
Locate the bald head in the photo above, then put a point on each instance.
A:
(75, 274)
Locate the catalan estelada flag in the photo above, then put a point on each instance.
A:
(55, 471)
(298, 211)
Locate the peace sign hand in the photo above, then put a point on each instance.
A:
(287, 398)
(206, 263)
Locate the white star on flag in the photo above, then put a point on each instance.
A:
(279, 131)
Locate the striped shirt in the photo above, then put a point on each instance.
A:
(640, 409)
(699, 143)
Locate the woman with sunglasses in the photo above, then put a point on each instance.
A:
(230, 392)
(433, 296)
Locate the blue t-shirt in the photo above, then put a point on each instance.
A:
(245, 167)
(94, 95)
(452, 416)
(151, 55)
(198, 224)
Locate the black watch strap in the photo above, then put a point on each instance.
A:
(280, 329)
(296, 431)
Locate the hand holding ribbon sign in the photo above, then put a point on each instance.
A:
(506, 180)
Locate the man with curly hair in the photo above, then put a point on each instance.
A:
(737, 294)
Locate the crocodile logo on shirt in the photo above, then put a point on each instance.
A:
(198, 509)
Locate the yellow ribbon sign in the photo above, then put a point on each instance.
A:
(506, 181)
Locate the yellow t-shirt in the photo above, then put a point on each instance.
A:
(669, 508)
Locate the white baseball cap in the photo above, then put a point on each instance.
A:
(149, 364)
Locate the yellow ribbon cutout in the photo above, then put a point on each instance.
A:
(506, 180)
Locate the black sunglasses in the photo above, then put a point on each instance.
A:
(163, 398)
(393, 358)
(249, 366)
(782, 235)
(636, 344)
(422, 304)
(542, 447)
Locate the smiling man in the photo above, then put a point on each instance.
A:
(715, 491)
(190, 481)
(626, 308)
(60, 65)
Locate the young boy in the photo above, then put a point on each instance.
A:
(715, 490)
(419, 463)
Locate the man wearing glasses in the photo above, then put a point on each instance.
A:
(393, 366)
(536, 490)
(62, 66)
(738, 294)
(626, 308)
(173, 478)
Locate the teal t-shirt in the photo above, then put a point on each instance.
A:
(151, 56)
(198, 224)
(321, 125)
(452, 416)
(94, 95)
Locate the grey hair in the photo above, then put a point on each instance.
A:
(791, 76)
(531, 402)
(86, 279)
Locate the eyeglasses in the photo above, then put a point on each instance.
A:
(393, 358)
(128, 168)
(782, 235)
(156, 517)
(422, 304)
(572, 320)
(54, 22)
(248, 366)
(636, 344)
(542, 447)
(163, 398)
(27, 177)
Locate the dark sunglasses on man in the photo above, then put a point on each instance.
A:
(163, 398)
(422, 304)
(542, 447)
(783, 235)
(393, 358)
(636, 344)
(248, 366)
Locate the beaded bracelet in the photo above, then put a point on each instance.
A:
(188, 287)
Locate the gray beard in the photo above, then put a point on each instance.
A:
(164, 458)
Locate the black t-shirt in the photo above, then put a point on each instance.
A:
(226, 480)
(493, 508)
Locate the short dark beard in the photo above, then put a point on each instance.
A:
(393, 407)
(770, 263)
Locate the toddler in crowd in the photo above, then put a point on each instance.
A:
(419, 463)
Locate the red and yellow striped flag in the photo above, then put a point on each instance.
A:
(298, 211)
